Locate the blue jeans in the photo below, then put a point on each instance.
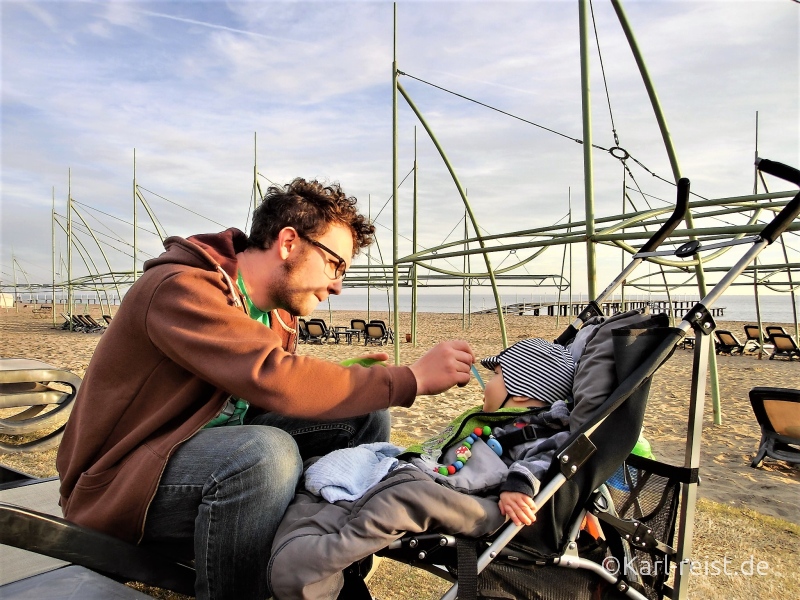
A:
(317, 438)
(224, 492)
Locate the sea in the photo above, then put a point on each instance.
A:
(774, 308)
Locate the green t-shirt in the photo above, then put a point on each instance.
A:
(235, 409)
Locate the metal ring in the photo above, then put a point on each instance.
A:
(619, 153)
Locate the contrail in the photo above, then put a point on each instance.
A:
(215, 26)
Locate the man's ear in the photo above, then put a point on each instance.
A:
(287, 242)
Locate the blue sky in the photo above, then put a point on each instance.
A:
(188, 84)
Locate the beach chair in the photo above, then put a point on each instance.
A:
(317, 332)
(777, 411)
(358, 325)
(727, 343)
(389, 330)
(648, 517)
(302, 331)
(375, 333)
(92, 322)
(771, 329)
(756, 338)
(107, 319)
(785, 346)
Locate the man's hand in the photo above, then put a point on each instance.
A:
(519, 507)
(367, 360)
(443, 366)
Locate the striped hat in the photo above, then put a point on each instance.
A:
(535, 368)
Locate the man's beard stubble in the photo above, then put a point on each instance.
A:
(290, 294)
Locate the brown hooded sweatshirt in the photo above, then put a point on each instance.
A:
(179, 346)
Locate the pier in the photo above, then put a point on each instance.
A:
(569, 309)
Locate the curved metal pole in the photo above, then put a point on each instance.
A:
(676, 172)
(152, 216)
(83, 254)
(466, 205)
(108, 264)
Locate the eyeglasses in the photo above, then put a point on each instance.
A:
(341, 266)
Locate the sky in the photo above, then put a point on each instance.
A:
(202, 90)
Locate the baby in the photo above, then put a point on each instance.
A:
(530, 373)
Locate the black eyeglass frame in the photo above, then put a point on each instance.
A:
(341, 266)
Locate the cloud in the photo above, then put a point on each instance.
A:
(188, 85)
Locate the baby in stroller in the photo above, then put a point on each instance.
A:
(526, 401)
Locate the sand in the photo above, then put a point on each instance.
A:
(727, 449)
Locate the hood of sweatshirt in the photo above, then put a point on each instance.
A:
(212, 251)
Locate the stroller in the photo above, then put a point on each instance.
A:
(645, 507)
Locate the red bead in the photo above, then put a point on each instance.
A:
(451, 469)
(478, 431)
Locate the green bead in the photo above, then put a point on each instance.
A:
(442, 471)
(487, 430)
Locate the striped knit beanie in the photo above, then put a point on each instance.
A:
(535, 368)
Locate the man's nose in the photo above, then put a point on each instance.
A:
(335, 287)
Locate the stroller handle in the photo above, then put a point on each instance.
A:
(776, 227)
(681, 204)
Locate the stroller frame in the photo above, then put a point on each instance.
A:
(60, 539)
(571, 457)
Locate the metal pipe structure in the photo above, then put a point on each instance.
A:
(395, 186)
(462, 193)
(676, 172)
(134, 215)
(588, 174)
(69, 247)
(53, 248)
(414, 247)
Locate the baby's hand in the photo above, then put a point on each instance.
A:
(519, 507)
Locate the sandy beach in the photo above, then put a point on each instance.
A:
(726, 475)
(773, 489)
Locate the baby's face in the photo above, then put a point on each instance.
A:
(495, 393)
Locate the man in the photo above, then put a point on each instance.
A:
(140, 459)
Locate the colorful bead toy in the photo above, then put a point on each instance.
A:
(464, 451)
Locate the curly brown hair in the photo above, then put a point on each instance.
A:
(310, 207)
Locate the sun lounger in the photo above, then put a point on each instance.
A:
(375, 333)
(727, 343)
(777, 411)
(785, 346)
(756, 339)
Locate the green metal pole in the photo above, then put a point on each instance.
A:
(53, 246)
(588, 176)
(665, 135)
(463, 195)
(395, 236)
(69, 247)
(256, 195)
(369, 253)
(133, 280)
(414, 244)
(464, 281)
